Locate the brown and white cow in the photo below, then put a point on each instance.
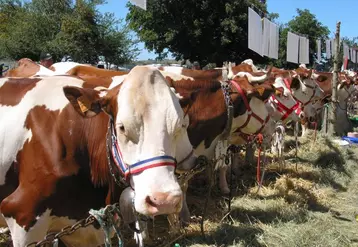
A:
(62, 68)
(25, 67)
(345, 89)
(208, 113)
(53, 153)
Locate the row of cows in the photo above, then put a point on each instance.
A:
(57, 124)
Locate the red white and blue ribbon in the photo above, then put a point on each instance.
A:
(140, 166)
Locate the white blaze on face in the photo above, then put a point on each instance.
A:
(311, 89)
(48, 92)
(279, 83)
(150, 123)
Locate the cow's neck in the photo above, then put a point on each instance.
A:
(93, 143)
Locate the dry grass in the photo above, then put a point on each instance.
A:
(313, 206)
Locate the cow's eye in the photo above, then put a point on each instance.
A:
(121, 128)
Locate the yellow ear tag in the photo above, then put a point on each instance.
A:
(261, 90)
(83, 103)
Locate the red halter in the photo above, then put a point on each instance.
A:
(250, 112)
(284, 109)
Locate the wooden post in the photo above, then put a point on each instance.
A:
(332, 113)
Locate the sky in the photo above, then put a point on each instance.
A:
(328, 12)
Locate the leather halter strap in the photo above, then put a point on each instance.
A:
(250, 112)
(284, 109)
(128, 170)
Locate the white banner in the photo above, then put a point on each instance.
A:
(319, 56)
(292, 47)
(140, 3)
(328, 49)
(255, 32)
(304, 50)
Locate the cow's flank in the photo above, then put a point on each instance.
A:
(12, 90)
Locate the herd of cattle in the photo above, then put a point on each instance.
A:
(58, 126)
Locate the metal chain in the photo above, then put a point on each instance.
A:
(51, 238)
(226, 91)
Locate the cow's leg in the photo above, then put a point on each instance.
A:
(222, 179)
(185, 213)
(21, 237)
(3, 225)
(304, 129)
(249, 155)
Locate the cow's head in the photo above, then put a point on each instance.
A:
(307, 90)
(150, 128)
(345, 88)
(285, 105)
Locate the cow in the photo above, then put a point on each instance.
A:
(53, 162)
(345, 89)
(61, 68)
(25, 67)
(208, 119)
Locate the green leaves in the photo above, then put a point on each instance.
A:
(63, 28)
(304, 23)
(207, 30)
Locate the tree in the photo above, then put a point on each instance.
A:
(117, 46)
(304, 23)
(205, 31)
(62, 27)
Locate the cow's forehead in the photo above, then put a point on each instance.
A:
(144, 76)
(138, 88)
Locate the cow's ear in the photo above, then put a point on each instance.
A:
(187, 99)
(87, 102)
(321, 78)
(295, 83)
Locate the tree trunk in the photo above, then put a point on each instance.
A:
(332, 115)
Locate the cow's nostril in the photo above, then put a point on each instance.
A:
(150, 201)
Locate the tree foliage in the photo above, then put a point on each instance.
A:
(206, 30)
(63, 27)
(304, 23)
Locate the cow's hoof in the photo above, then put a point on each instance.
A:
(225, 190)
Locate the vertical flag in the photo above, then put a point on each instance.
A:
(319, 57)
(292, 47)
(255, 32)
